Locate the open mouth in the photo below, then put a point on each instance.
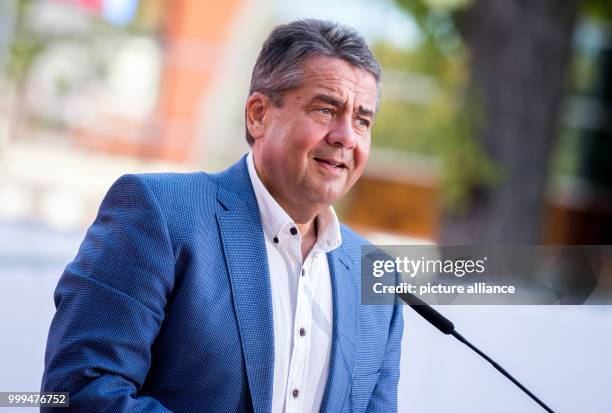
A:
(332, 163)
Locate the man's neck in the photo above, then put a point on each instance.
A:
(304, 217)
(309, 234)
(306, 222)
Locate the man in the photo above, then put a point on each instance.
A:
(239, 291)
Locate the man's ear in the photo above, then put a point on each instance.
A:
(257, 107)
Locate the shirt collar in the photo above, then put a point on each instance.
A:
(275, 220)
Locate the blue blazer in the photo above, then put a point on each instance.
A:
(167, 307)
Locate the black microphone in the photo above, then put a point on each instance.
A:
(447, 327)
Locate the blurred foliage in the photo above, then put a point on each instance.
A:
(25, 48)
(598, 9)
(443, 124)
(28, 43)
(31, 41)
(584, 71)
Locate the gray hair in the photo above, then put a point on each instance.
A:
(279, 65)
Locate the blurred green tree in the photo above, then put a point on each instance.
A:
(518, 56)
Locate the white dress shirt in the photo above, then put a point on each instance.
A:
(301, 302)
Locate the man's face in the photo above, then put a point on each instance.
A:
(311, 150)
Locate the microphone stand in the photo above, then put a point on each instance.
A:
(447, 327)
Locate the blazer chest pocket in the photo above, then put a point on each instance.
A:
(361, 390)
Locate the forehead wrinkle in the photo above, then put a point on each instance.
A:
(354, 77)
(344, 86)
(330, 99)
(337, 85)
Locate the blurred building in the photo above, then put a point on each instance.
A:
(99, 88)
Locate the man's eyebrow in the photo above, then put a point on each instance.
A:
(328, 99)
(361, 111)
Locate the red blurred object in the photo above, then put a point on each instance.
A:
(94, 6)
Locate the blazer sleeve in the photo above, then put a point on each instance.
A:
(110, 304)
(384, 395)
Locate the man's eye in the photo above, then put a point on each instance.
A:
(363, 122)
(325, 111)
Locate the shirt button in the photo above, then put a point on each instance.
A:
(276, 240)
(293, 230)
(295, 393)
(303, 272)
(302, 331)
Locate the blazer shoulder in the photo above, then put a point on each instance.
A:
(176, 181)
(175, 193)
(352, 243)
(352, 238)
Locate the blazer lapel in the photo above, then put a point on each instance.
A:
(344, 298)
(245, 254)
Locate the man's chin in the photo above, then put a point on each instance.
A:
(327, 196)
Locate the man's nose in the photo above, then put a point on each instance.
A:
(342, 133)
